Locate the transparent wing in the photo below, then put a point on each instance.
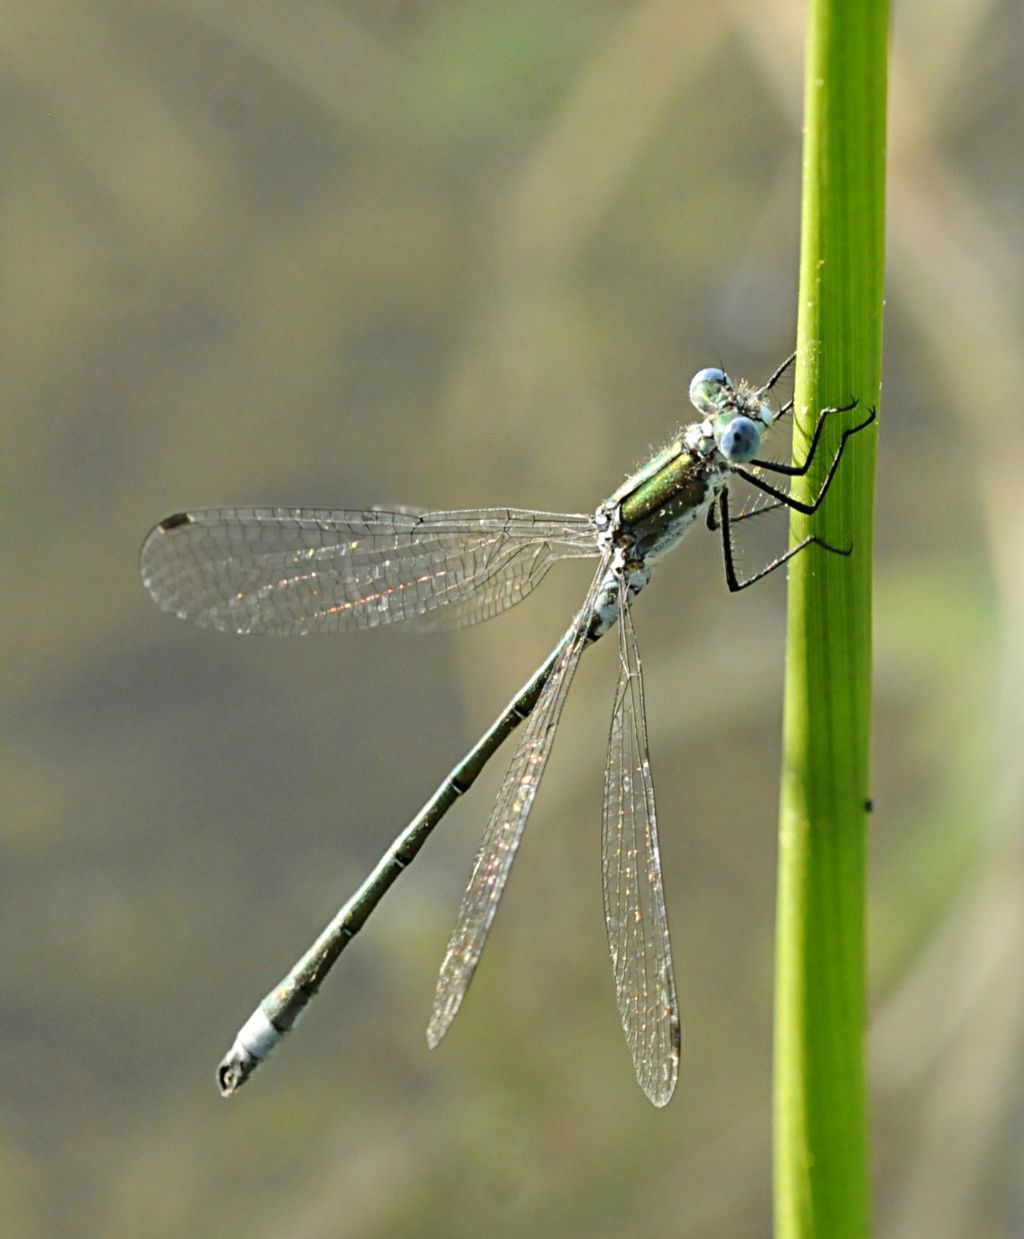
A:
(522, 571)
(304, 570)
(634, 900)
(505, 828)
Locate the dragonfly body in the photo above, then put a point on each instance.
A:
(661, 511)
(296, 571)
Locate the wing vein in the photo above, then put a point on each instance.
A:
(635, 913)
(289, 571)
(505, 828)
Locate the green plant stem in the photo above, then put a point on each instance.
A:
(821, 1175)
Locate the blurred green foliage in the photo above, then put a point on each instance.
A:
(456, 254)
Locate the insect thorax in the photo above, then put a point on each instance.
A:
(662, 510)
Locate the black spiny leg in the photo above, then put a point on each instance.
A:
(714, 524)
(777, 375)
(731, 579)
(799, 471)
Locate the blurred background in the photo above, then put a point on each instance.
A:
(338, 253)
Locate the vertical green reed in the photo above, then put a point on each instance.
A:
(821, 1147)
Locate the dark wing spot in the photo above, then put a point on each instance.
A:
(172, 522)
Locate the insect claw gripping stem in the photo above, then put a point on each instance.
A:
(808, 509)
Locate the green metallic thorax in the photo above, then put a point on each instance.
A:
(663, 499)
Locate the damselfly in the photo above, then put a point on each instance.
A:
(298, 570)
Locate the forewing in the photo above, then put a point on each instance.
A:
(505, 828)
(304, 570)
(634, 899)
(521, 571)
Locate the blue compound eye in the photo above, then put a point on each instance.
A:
(709, 389)
(738, 439)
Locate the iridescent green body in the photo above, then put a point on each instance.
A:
(651, 512)
(297, 571)
(279, 1011)
(664, 499)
